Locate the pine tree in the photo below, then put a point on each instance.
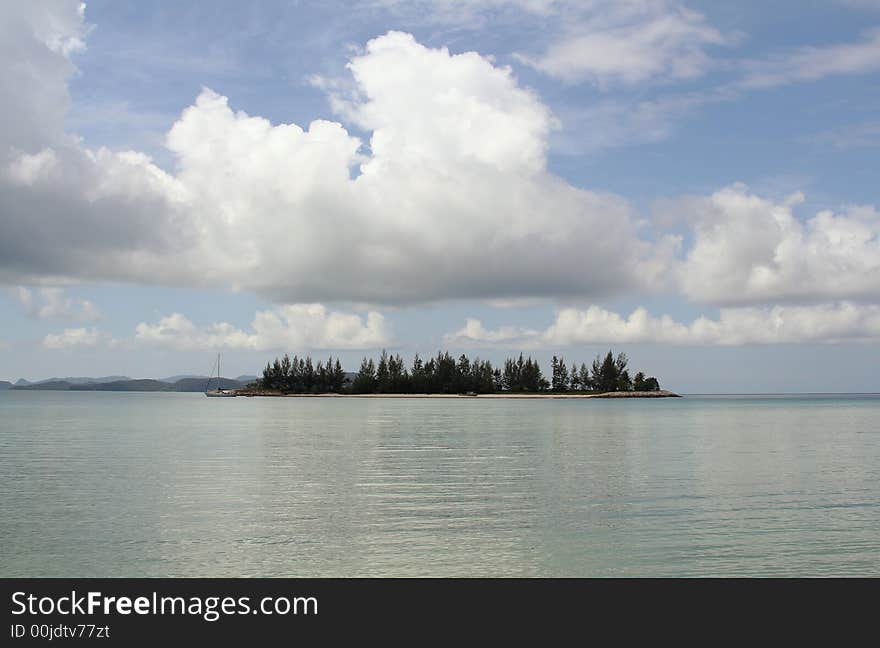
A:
(584, 375)
(575, 382)
(365, 381)
(639, 381)
(382, 375)
(338, 382)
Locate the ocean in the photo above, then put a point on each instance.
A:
(165, 484)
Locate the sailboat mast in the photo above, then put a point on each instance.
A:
(218, 372)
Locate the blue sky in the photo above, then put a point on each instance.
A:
(694, 183)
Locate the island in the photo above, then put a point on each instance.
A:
(447, 377)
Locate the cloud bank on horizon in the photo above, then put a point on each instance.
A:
(451, 198)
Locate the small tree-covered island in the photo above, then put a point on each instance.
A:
(607, 376)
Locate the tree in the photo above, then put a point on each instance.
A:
(624, 382)
(559, 377)
(430, 376)
(462, 381)
(365, 381)
(338, 378)
(285, 373)
(611, 374)
(277, 375)
(620, 364)
(639, 382)
(531, 378)
(575, 381)
(510, 376)
(497, 380)
(584, 376)
(383, 378)
(308, 375)
(484, 377)
(398, 378)
(267, 376)
(445, 376)
(417, 375)
(322, 377)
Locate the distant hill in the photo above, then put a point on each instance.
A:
(174, 379)
(141, 385)
(51, 385)
(5, 384)
(72, 380)
(80, 380)
(146, 384)
(246, 378)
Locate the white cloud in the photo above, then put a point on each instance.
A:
(295, 327)
(613, 122)
(629, 42)
(821, 324)
(451, 199)
(602, 41)
(72, 338)
(455, 180)
(815, 62)
(37, 39)
(625, 120)
(51, 302)
(473, 332)
(748, 249)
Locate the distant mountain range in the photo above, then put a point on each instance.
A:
(193, 384)
(73, 380)
(179, 383)
(245, 378)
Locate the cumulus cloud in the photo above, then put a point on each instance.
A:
(629, 42)
(297, 327)
(52, 302)
(37, 39)
(65, 210)
(748, 249)
(74, 338)
(451, 198)
(827, 323)
(473, 332)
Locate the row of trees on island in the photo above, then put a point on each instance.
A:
(447, 375)
(301, 376)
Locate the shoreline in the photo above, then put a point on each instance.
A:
(657, 394)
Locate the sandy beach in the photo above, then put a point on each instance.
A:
(654, 394)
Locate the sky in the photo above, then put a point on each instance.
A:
(693, 183)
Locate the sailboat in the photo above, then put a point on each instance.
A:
(218, 393)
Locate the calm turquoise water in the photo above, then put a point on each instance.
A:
(128, 484)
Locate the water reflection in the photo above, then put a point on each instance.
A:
(172, 484)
